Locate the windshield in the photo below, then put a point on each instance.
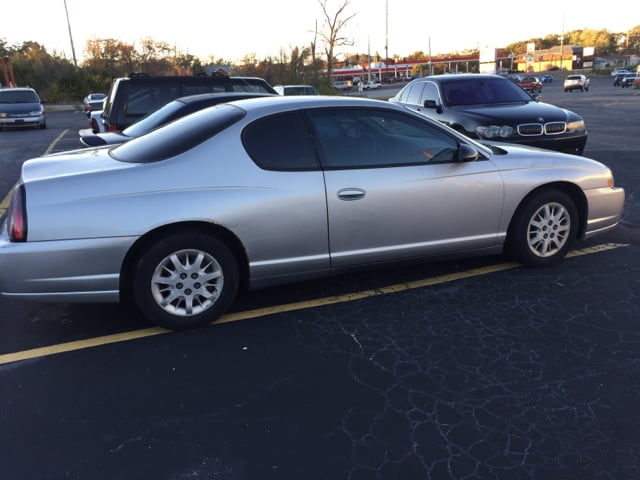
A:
(179, 136)
(18, 96)
(482, 91)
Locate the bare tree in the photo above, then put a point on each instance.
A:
(331, 33)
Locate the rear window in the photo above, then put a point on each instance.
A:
(179, 136)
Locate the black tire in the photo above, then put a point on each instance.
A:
(184, 281)
(543, 229)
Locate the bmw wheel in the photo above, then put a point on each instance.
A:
(543, 229)
(185, 281)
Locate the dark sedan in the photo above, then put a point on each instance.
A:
(171, 111)
(493, 108)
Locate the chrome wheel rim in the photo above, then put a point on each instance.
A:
(548, 230)
(187, 282)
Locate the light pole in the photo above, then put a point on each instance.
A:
(73, 50)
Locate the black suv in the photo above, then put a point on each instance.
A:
(131, 98)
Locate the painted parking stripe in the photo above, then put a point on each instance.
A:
(262, 312)
(4, 205)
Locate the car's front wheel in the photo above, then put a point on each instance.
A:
(543, 228)
(185, 281)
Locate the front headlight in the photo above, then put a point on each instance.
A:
(494, 131)
(35, 113)
(576, 126)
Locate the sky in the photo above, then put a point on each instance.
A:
(233, 29)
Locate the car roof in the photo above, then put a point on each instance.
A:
(283, 103)
(457, 76)
(222, 96)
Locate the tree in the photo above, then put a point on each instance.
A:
(331, 33)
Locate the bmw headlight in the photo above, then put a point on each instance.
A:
(576, 126)
(494, 131)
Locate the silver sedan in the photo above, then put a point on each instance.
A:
(261, 192)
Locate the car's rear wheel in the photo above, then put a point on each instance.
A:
(185, 281)
(543, 228)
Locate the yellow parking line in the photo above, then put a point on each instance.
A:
(4, 205)
(262, 312)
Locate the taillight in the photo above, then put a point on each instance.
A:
(17, 219)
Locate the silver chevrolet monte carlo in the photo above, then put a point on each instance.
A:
(266, 191)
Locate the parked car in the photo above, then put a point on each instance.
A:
(491, 107)
(627, 80)
(617, 80)
(21, 107)
(273, 190)
(93, 97)
(636, 82)
(93, 106)
(371, 85)
(342, 85)
(171, 111)
(530, 84)
(96, 125)
(576, 82)
(296, 90)
(620, 71)
(131, 98)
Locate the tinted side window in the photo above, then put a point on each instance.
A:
(195, 89)
(140, 99)
(280, 142)
(415, 93)
(365, 138)
(430, 92)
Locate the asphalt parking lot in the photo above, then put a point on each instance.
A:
(475, 369)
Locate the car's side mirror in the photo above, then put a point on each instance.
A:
(466, 153)
(433, 105)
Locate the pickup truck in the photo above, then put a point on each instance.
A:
(371, 85)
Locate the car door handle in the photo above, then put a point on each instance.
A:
(350, 194)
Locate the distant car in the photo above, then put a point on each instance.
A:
(93, 97)
(546, 78)
(636, 83)
(296, 90)
(342, 85)
(627, 80)
(617, 80)
(96, 125)
(620, 71)
(93, 106)
(371, 85)
(275, 190)
(494, 108)
(530, 84)
(576, 82)
(21, 107)
(171, 111)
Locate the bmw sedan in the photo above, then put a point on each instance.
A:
(491, 107)
(266, 191)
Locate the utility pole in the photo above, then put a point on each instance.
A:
(386, 37)
(73, 50)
